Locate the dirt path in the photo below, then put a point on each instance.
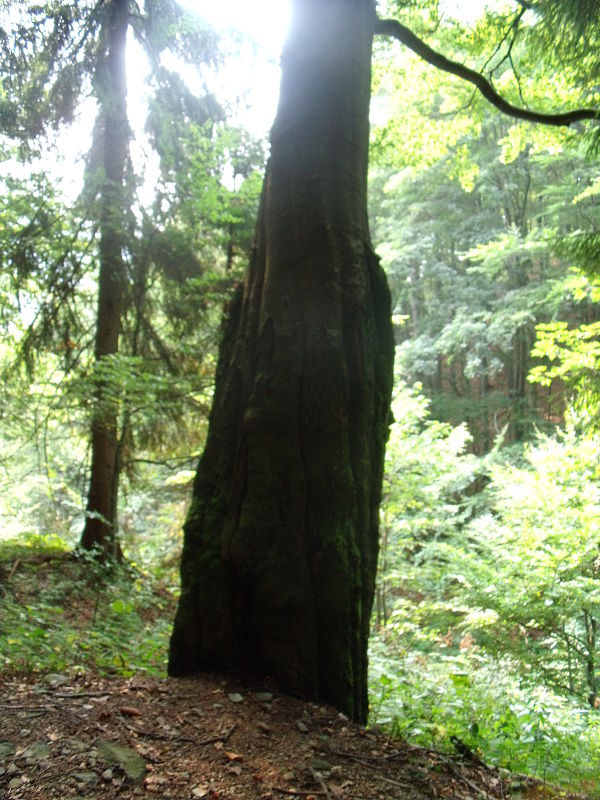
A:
(207, 738)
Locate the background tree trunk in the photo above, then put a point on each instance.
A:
(101, 513)
(281, 540)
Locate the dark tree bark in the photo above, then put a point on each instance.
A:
(100, 531)
(281, 540)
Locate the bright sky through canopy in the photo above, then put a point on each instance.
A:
(265, 21)
(254, 75)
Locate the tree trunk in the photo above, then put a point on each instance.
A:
(100, 526)
(281, 540)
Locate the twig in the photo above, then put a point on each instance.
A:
(221, 738)
(76, 695)
(163, 737)
(369, 759)
(318, 779)
(293, 792)
(457, 773)
(37, 560)
(178, 738)
(366, 763)
(393, 782)
(513, 27)
(13, 569)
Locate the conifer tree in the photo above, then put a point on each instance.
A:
(52, 57)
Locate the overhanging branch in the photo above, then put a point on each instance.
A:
(395, 29)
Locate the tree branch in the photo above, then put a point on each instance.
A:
(514, 26)
(395, 29)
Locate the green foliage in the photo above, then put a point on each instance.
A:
(62, 613)
(571, 356)
(50, 55)
(568, 37)
(426, 496)
(543, 514)
(434, 696)
(487, 598)
(182, 246)
(474, 268)
(487, 602)
(45, 252)
(478, 217)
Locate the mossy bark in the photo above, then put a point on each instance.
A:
(281, 540)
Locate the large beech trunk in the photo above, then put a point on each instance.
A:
(99, 532)
(281, 540)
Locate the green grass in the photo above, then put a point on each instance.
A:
(60, 613)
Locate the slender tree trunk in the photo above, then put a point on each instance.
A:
(591, 628)
(100, 527)
(381, 600)
(281, 541)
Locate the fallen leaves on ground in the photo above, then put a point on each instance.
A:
(210, 738)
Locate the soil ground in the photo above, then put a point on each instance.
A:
(211, 738)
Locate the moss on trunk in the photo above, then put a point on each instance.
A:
(281, 540)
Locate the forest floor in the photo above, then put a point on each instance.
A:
(210, 738)
(71, 734)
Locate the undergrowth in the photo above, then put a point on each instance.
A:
(471, 700)
(63, 612)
